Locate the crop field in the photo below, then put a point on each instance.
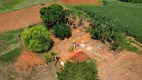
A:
(19, 4)
(128, 15)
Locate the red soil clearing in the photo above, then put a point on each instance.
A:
(27, 61)
(81, 1)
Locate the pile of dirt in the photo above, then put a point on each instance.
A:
(81, 1)
(28, 61)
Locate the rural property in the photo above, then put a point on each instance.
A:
(70, 39)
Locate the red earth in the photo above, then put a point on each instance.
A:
(27, 61)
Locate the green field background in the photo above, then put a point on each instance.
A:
(129, 15)
(19, 4)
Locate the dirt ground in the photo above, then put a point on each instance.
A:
(111, 66)
(47, 72)
(81, 1)
(28, 61)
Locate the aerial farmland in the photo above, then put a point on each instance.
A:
(70, 39)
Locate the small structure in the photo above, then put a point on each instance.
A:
(79, 56)
(76, 56)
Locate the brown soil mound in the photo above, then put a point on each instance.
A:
(81, 1)
(27, 61)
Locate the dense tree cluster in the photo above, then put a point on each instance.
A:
(133, 1)
(62, 31)
(36, 38)
(52, 15)
(79, 71)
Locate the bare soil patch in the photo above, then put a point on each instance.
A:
(111, 65)
(47, 72)
(28, 61)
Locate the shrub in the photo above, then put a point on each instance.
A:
(79, 71)
(62, 31)
(48, 57)
(36, 38)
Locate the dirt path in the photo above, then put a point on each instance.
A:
(21, 18)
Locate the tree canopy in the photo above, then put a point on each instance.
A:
(79, 71)
(62, 31)
(36, 38)
(53, 15)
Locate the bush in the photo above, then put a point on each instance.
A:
(79, 71)
(53, 15)
(48, 57)
(36, 38)
(62, 31)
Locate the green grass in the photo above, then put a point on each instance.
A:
(11, 56)
(19, 4)
(8, 39)
(129, 15)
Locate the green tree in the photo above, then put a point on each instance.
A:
(54, 14)
(79, 71)
(36, 38)
(62, 31)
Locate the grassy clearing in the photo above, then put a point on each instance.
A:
(129, 15)
(19, 4)
(11, 56)
(9, 40)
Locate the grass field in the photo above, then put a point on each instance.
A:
(10, 56)
(129, 15)
(9, 41)
(19, 4)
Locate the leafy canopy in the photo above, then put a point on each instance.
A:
(62, 31)
(53, 15)
(36, 38)
(79, 71)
